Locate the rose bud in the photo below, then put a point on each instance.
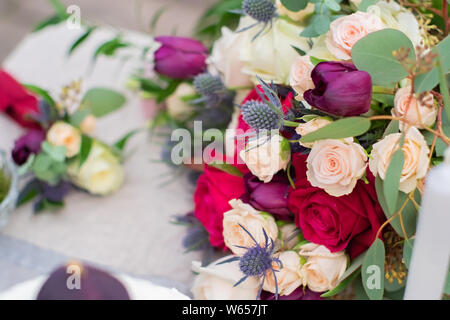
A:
(180, 57)
(270, 197)
(28, 144)
(340, 89)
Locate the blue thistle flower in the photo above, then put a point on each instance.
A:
(263, 11)
(206, 84)
(260, 116)
(257, 261)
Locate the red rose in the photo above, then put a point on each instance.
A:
(215, 188)
(16, 101)
(347, 222)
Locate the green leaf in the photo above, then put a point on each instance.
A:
(373, 54)
(78, 116)
(102, 101)
(53, 20)
(333, 5)
(85, 149)
(341, 286)
(429, 80)
(392, 180)
(343, 128)
(354, 265)
(59, 8)
(40, 92)
(366, 4)
(56, 153)
(80, 40)
(295, 5)
(393, 127)
(110, 47)
(309, 32)
(372, 270)
(315, 61)
(321, 23)
(156, 18)
(123, 141)
(298, 50)
(228, 168)
(408, 247)
(443, 86)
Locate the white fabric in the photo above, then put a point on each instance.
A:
(131, 230)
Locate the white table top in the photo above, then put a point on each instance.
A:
(129, 231)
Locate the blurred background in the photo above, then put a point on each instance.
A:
(19, 17)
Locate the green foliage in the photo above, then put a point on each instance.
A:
(102, 101)
(85, 149)
(343, 128)
(110, 47)
(325, 11)
(228, 168)
(5, 183)
(159, 90)
(341, 286)
(49, 165)
(81, 39)
(59, 16)
(295, 5)
(374, 54)
(372, 270)
(121, 143)
(366, 4)
(392, 180)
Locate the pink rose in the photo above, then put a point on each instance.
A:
(300, 76)
(346, 31)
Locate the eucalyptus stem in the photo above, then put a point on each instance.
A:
(382, 90)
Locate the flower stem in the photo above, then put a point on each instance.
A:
(292, 124)
(382, 90)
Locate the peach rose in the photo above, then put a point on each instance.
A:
(346, 31)
(252, 220)
(415, 151)
(216, 282)
(266, 156)
(88, 124)
(288, 277)
(336, 166)
(63, 134)
(300, 76)
(417, 112)
(304, 128)
(322, 269)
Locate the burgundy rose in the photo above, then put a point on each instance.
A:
(28, 144)
(270, 197)
(215, 188)
(340, 89)
(348, 222)
(298, 294)
(180, 57)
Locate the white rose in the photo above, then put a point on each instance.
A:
(216, 282)
(415, 151)
(322, 269)
(296, 16)
(311, 126)
(63, 134)
(300, 76)
(336, 166)
(289, 276)
(347, 30)
(225, 59)
(266, 156)
(252, 220)
(101, 173)
(270, 55)
(397, 17)
(407, 106)
(176, 106)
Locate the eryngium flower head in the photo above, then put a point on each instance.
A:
(260, 116)
(260, 10)
(206, 84)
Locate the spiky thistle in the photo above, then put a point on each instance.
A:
(211, 88)
(263, 11)
(257, 261)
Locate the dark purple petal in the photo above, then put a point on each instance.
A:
(28, 144)
(56, 193)
(297, 294)
(340, 89)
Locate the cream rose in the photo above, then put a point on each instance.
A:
(63, 134)
(252, 220)
(216, 282)
(415, 111)
(336, 166)
(300, 76)
(415, 151)
(288, 277)
(225, 58)
(88, 124)
(346, 31)
(322, 269)
(177, 107)
(266, 156)
(101, 173)
(270, 55)
(397, 17)
(296, 16)
(311, 126)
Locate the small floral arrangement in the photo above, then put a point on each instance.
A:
(58, 152)
(350, 111)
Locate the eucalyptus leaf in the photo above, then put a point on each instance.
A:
(392, 180)
(366, 4)
(295, 5)
(372, 270)
(102, 101)
(343, 128)
(374, 54)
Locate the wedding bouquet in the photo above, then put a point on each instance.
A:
(58, 152)
(321, 194)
